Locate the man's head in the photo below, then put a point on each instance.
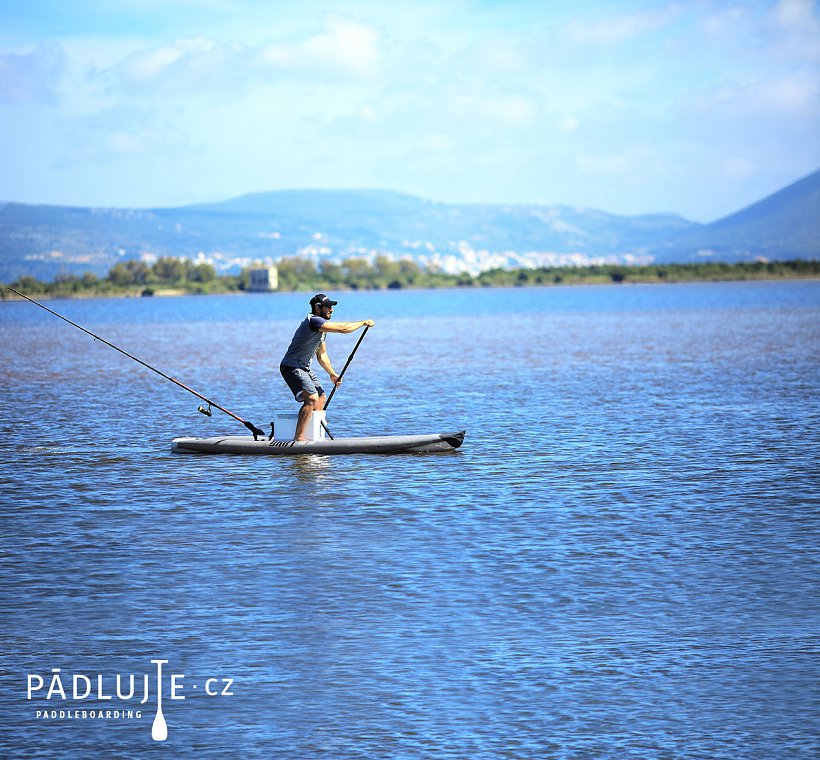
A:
(321, 305)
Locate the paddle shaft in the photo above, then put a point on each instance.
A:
(344, 369)
(248, 425)
(347, 364)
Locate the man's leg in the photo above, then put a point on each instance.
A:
(309, 403)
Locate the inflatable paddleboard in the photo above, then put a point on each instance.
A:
(383, 444)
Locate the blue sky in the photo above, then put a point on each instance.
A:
(698, 107)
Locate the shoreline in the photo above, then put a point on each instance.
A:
(170, 278)
(593, 281)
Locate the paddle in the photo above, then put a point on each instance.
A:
(342, 373)
(255, 430)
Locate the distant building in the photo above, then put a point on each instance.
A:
(263, 280)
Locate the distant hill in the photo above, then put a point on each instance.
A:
(784, 225)
(45, 241)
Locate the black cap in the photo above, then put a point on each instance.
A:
(320, 299)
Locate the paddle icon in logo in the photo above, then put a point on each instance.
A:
(159, 728)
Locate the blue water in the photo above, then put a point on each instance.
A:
(620, 562)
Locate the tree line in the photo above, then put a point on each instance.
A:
(617, 273)
(135, 277)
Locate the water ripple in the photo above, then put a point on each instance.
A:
(619, 563)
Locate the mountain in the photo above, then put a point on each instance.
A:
(784, 225)
(45, 241)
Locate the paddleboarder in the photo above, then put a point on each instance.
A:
(309, 341)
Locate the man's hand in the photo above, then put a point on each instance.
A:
(336, 380)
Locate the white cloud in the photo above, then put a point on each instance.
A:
(510, 109)
(151, 64)
(119, 133)
(762, 34)
(793, 94)
(501, 56)
(723, 21)
(509, 101)
(345, 43)
(606, 31)
(342, 49)
(31, 77)
(795, 12)
(568, 124)
(799, 31)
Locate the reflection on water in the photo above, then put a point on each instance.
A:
(312, 469)
(619, 562)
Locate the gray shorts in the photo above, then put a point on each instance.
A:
(301, 381)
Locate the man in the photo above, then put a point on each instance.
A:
(309, 340)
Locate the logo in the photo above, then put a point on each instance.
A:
(122, 695)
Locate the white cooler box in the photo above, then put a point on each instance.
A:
(284, 426)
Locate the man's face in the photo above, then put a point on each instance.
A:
(327, 311)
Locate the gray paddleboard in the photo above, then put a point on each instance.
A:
(382, 444)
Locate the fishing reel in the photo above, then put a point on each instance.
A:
(207, 412)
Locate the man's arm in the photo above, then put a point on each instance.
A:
(324, 361)
(345, 327)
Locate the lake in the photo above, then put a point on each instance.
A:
(620, 562)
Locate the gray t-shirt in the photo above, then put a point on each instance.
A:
(305, 341)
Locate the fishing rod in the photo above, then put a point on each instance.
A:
(207, 412)
(341, 375)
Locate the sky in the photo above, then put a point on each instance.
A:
(694, 107)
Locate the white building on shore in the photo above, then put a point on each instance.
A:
(263, 279)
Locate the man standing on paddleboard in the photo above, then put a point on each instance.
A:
(309, 341)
